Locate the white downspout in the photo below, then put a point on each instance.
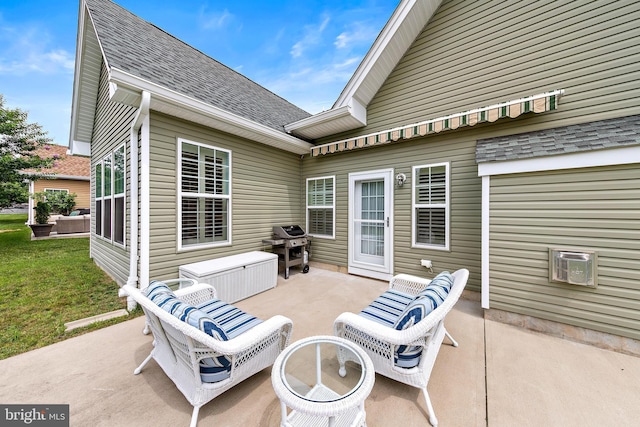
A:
(32, 189)
(140, 117)
(486, 193)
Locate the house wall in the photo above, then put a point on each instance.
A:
(475, 54)
(465, 203)
(81, 188)
(111, 129)
(266, 191)
(591, 209)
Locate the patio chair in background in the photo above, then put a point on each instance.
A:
(403, 329)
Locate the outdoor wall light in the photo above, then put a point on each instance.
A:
(400, 179)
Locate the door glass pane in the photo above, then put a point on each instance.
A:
(370, 222)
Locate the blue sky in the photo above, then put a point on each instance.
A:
(304, 51)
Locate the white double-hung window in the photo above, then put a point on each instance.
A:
(321, 206)
(204, 205)
(110, 197)
(430, 203)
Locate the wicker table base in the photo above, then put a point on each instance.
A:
(306, 378)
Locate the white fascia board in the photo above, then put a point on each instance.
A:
(585, 159)
(332, 121)
(406, 11)
(75, 97)
(71, 177)
(121, 80)
(399, 32)
(80, 148)
(318, 119)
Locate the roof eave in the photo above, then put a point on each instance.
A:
(330, 122)
(85, 84)
(396, 37)
(126, 88)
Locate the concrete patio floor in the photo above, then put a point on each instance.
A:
(499, 376)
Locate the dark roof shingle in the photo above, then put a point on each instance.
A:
(140, 48)
(596, 135)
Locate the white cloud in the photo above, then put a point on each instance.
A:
(312, 37)
(361, 34)
(214, 20)
(26, 50)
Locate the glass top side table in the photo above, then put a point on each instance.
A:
(306, 378)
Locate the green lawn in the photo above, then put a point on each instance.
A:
(46, 283)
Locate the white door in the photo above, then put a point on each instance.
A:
(371, 223)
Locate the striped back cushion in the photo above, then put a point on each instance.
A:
(424, 303)
(438, 289)
(156, 289)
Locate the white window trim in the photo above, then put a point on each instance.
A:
(113, 197)
(445, 205)
(333, 207)
(179, 193)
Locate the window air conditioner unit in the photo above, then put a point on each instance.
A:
(575, 267)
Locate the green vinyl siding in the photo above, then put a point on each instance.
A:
(110, 130)
(465, 203)
(266, 190)
(591, 209)
(474, 54)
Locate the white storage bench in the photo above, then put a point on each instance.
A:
(235, 277)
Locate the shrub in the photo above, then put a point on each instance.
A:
(60, 202)
(42, 212)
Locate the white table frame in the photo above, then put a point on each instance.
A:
(313, 409)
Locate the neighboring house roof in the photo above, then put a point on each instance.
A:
(65, 166)
(612, 133)
(182, 81)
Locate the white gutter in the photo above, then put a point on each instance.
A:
(71, 177)
(140, 118)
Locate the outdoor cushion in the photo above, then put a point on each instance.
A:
(438, 288)
(387, 307)
(423, 304)
(212, 369)
(157, 288)
(230, 319)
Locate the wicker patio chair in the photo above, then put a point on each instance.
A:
(422, 339)
(184, 352)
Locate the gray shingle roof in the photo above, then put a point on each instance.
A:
(144, 50)
(562, 140)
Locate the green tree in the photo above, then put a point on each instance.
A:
(18, 141)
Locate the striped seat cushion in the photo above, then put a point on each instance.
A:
(216, 318)
(230, 319)
(400, 311)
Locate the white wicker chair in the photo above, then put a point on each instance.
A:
(179, 347)
(380, 341)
